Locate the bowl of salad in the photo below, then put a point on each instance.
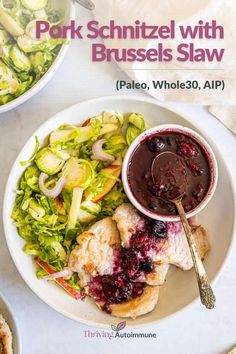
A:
(64, 190)
(26, 63)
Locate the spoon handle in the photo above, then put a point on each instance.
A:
(206, 293)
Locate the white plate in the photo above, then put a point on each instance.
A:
(216, 218)
(68, 8)
(7, 314)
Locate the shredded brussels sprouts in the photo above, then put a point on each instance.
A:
(136, 126)
(92, 188)
(27, 59)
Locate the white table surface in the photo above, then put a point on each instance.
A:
(43, 330)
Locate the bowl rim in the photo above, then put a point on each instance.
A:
(203, 144)
(92, 101)
(46, 77)
(15, 323)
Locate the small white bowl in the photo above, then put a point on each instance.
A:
(170, 128)
(68, 7)
(6, 312)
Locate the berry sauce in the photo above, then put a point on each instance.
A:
(189, 174)
(131, 267)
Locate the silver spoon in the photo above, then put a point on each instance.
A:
(206, 293)
(88, 4)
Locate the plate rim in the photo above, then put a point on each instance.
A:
(90, 102)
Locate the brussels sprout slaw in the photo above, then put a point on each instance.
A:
(23, 58)
(70, 183)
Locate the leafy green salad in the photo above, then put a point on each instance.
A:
(71, 182)
(23, 58)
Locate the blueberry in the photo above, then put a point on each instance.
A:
(198, 192)
(156, 144)
(158, 229)
(116, 288)
(147, 265)
(153, 206)
(124, 295)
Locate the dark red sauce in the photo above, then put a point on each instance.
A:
(188, 173)
(131, 266)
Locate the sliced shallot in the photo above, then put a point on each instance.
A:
(64, 273)
(55, 191)
(100, 154)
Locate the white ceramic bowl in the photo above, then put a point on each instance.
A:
(176, 129)
(68, 7)
(217, 218)
(8, 315)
